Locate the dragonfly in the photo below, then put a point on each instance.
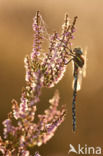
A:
(78, 58)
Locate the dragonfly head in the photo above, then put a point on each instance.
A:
(78, 51)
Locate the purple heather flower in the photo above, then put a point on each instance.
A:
(37, 154)
(43, 69)
(15, 108)
(24, 152)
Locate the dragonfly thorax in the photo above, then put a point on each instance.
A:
(78, 61)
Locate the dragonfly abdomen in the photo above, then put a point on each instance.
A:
(74, 103)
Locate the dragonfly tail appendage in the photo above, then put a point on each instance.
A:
(74, 103)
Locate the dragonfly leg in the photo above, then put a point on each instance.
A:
(69, 61)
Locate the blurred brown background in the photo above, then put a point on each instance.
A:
(16, 37)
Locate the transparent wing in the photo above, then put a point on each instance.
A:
(72, 67)
(85, 62)
(73, 73)
(82, 71)
(80, 76)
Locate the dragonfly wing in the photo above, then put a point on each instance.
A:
(85, 62)
(72, 67)
(73, 74)
(79, 82)
(82, 71)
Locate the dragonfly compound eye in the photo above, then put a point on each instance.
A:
(78, 51)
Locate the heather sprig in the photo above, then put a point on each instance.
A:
(43, 69)
(57, 56)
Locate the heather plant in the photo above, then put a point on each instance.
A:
(44, 69)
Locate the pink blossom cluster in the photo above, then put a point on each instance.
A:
(43, 69)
